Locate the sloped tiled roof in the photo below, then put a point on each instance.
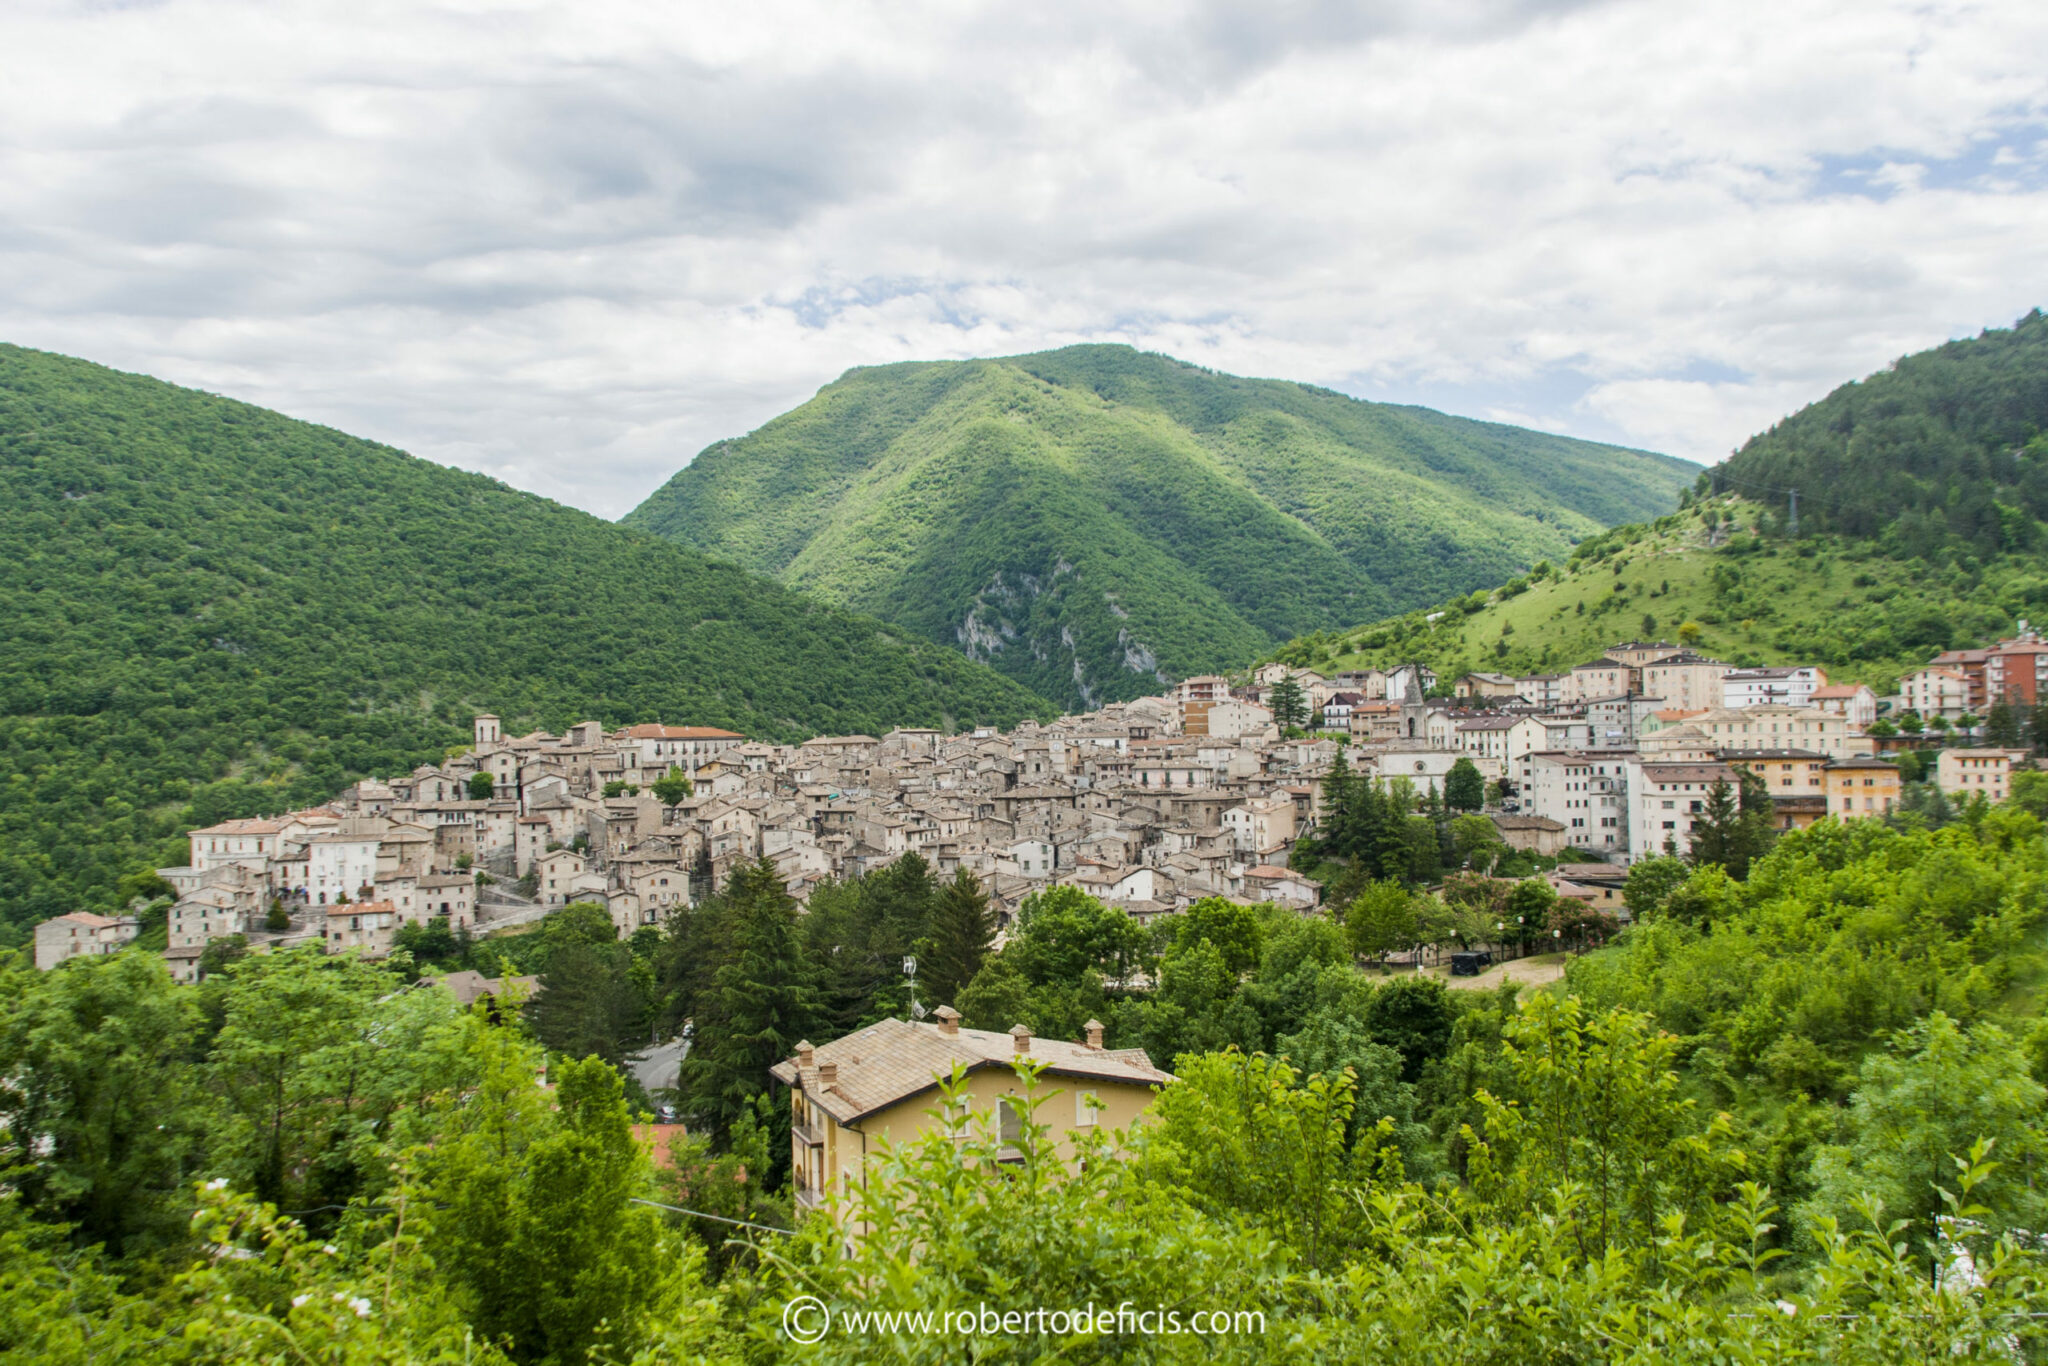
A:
(893, 1060)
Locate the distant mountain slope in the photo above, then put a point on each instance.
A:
(211, 609)
(1923, 492)
(1093, 519)
(1942, 450)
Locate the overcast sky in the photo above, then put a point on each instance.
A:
(571, 244)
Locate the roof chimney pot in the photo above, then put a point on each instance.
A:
(828, 1073)
(804, 1053)
(1022, 1035)
(948, 1018)
(1094, 1033)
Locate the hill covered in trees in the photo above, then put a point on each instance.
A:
(213, 610)
(1922, 494)
(1094, 519)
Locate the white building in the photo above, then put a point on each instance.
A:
(1585, 791)
(1781, 727)
(1664, 801)
(1792, 686)
(340, 865)
(1935, 691)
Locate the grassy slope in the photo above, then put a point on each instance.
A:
(1924, 492)
(1093, 516)
(213, 610)
(1834, 600)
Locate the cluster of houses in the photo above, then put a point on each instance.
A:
(1149, 805)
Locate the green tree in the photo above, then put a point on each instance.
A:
(1062, 933)
(103, 1120)
(1413, 1016)
(538, 1228)
(963, 932)
(277, 921)
(1381, 921)
(589, 1003)
(481, 786)
(1234, 930)
(997, 998)
(2002, 725)
(672, 787)
(1651, 882)
(1290, 709)
(763, 1000)
(1919, 1108)
(1464, 788)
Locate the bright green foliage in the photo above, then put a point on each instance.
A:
(63, 1307)
(537, 1225)
(1235, 930)
(728, 1185)
(372, 1300)
(1085, 517)
(1063, 933)
(1921, 1106)
(1247, 1135)
(997, 998)
(1413, 1016)
(1290, 708)
(171, 554)
(102, 1125)
(480, 787)
(1598, 1107)
(1651, 882)
(1382, 920)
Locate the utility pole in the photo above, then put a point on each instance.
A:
(1794, 519)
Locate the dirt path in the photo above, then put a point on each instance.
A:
(1538, 971)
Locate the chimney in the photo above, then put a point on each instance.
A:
(948, 1018)
(805, 1053)
(828, 1073)
(1094, 1030)
(1022, 1035)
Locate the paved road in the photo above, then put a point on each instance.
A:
(656, 1067)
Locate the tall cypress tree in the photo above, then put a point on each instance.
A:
(1340, 793)
(763, 1000)
(962, 933)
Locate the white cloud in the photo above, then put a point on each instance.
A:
(571, 245)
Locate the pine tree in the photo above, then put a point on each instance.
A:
(1290, 709)
(1340, 792)
(962, 933)
(2002, 726)
(763, 1001)
(1714, 834)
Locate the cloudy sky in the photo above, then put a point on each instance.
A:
(570, 244)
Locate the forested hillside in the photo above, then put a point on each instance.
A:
(1922, 493)
(1092, 520)
(213, 610)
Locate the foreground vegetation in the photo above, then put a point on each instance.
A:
(215, 611)
(1086, 518)
(1745, 1131)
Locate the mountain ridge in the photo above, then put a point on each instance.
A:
(1923, 506)
(1095, 519)
(218, 611)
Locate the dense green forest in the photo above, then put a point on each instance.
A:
(1921, 507)
(212, 610)
(1795, 1112)
(1944, 453)
(1094, 518)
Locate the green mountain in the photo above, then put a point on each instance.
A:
(1922, 495)
(1094, 520)
(212, 610)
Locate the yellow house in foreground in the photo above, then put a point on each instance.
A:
(879, 1083)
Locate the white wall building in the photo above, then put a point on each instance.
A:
(1780, 687)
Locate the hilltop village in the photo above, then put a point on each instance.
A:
(1149, 805)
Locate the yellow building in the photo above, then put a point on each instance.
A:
(1961, 772)
(882, 1083)
(1857, 788)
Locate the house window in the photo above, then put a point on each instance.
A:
(1085, 1108)
(1010, 1120)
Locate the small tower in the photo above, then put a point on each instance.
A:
(486, 730)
